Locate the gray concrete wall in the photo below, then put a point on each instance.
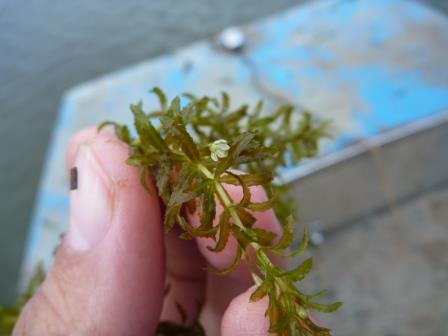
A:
(390, 269)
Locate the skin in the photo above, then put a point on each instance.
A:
(116, 288)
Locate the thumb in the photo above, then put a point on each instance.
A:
(243, 317)
(108, 275)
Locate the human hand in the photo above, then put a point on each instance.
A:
(113, 264)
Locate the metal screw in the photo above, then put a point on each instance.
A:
(317, 238)
(232, 39)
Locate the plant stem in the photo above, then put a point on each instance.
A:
(223, 196)
(229, 205)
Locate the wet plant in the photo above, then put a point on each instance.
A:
(192, 147)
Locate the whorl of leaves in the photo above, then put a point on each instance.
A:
(177, 155)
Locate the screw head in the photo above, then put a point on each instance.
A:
(317, 238)
(232, 39)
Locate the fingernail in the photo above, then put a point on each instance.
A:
(90, 201)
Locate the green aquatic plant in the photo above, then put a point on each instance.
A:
(192, 148)
(204, 144)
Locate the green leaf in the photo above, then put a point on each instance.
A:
(261, 206)
(181, 191)
(174, 125)
(264, 263)
(255, 155)
(324, 308)
(224, 230)
(246, 217)
(121, 131)
(144, 179)
(281, 324)
(248, 179)
(162, 98)
(191, 232)
(181, 197)
(162, 175)
(317, 294)
(35, 282)
(245, 188)
(149, 137)
(188, 113)
(273, 312)
(225, 102)
(303, 244)
(242, 238)
(287, 236)
(140, 160)
(171, 217)
(208, 211)
(202, 104)
(299, 273)
(257, 110)
(236, 262)
(190, 96)
(174, 110)
(236, 116)
(263, 237)
(285, 112)
(262, 122)
(261, 291)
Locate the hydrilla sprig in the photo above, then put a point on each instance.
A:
(203, 143)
